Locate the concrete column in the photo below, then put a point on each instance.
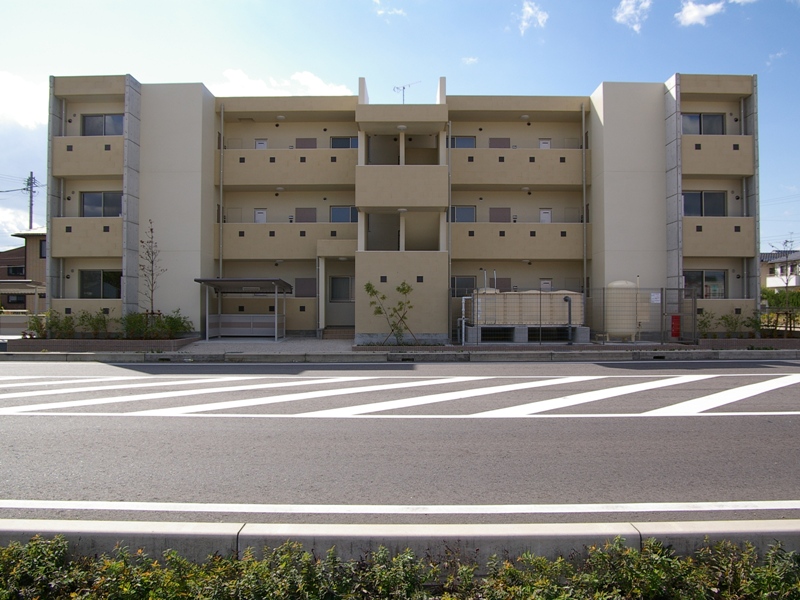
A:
(323, 291)
(402, 232)
(402, 148)
(362, 148)
(362, 231)
(443, 232)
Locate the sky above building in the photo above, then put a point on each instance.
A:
(401, 47)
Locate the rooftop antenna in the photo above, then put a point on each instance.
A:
(401, 89)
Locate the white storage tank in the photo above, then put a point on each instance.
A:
(621, 319)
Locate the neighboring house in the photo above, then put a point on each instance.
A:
(312, 197)
(12, 268)
(780, 270)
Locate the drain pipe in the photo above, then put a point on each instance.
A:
(568, 300)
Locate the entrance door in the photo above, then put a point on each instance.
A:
(545, 215)
(260, 215)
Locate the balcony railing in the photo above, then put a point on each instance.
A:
(85, 237)
(546, 241)
(87, 156)
(719, 236)
(273, 241)
(518, 167)
(306, 167)
(722, 155)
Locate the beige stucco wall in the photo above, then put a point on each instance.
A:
(628, 189)
(177, 191)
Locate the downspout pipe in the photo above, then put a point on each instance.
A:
(568, 300)
(221, 186)
(583, 203)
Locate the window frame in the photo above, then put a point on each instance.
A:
(109, 122)
(456, 208)
(465, 142)
(16, 270)
(704, 200)
(352, 142)
(467, 290)
(15, 299)
(106, 277)
(103, 204)
(352, 214)
(704, 289)
(334, 289)
(701, 123)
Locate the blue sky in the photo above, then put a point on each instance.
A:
(319, 47)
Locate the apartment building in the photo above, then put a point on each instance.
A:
(272, 213)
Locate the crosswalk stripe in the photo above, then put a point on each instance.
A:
(126, 386)
(698, 405)
(361, 409)
(183, 410)
(575, 399)
(172, 394)
(61, 381)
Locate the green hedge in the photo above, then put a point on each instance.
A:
(41, 569)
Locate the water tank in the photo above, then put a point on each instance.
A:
(621, 320)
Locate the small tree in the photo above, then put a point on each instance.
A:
(395, 315)
(150, 266)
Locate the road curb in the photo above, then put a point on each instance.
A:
(389, 356)
(197, 541)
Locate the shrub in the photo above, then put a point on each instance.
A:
(152, 326)
(96, 323)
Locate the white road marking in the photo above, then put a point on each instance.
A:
(698, 405)
(403, 509)
(232, 404)
(127, 386)
(62, 381)
(349, 411)
(575, 399)
(171, 394)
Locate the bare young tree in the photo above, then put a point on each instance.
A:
(150, 266)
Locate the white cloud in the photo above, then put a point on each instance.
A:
(469, 60)
(696, 14)
(742, 1)
(777, 56)
(302, 83)
(23, 102)
(531, 15)
(12, 221)
(632, 13)
(387, 12)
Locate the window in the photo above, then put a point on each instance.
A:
(703, 124)
(16, 271)
(15, 299)
(704, 204)
(305, 215)
(344, 142)
(709, 285)
(102, 124)
(462, 214)
(344, 214)
(42, 248)
(100, 284)
(101, 204)
(461, 141)
(343, 289)
(305, 143)
(461, 286)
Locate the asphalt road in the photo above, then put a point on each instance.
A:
(406, 443)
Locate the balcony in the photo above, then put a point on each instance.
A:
(73, 237)
(323, 167)
(718, 155)
(518, 167)
(89, 156)
(407, 186)
(719, 237)
(284, 241)
(515, 241)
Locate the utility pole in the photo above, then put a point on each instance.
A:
(29, 188)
